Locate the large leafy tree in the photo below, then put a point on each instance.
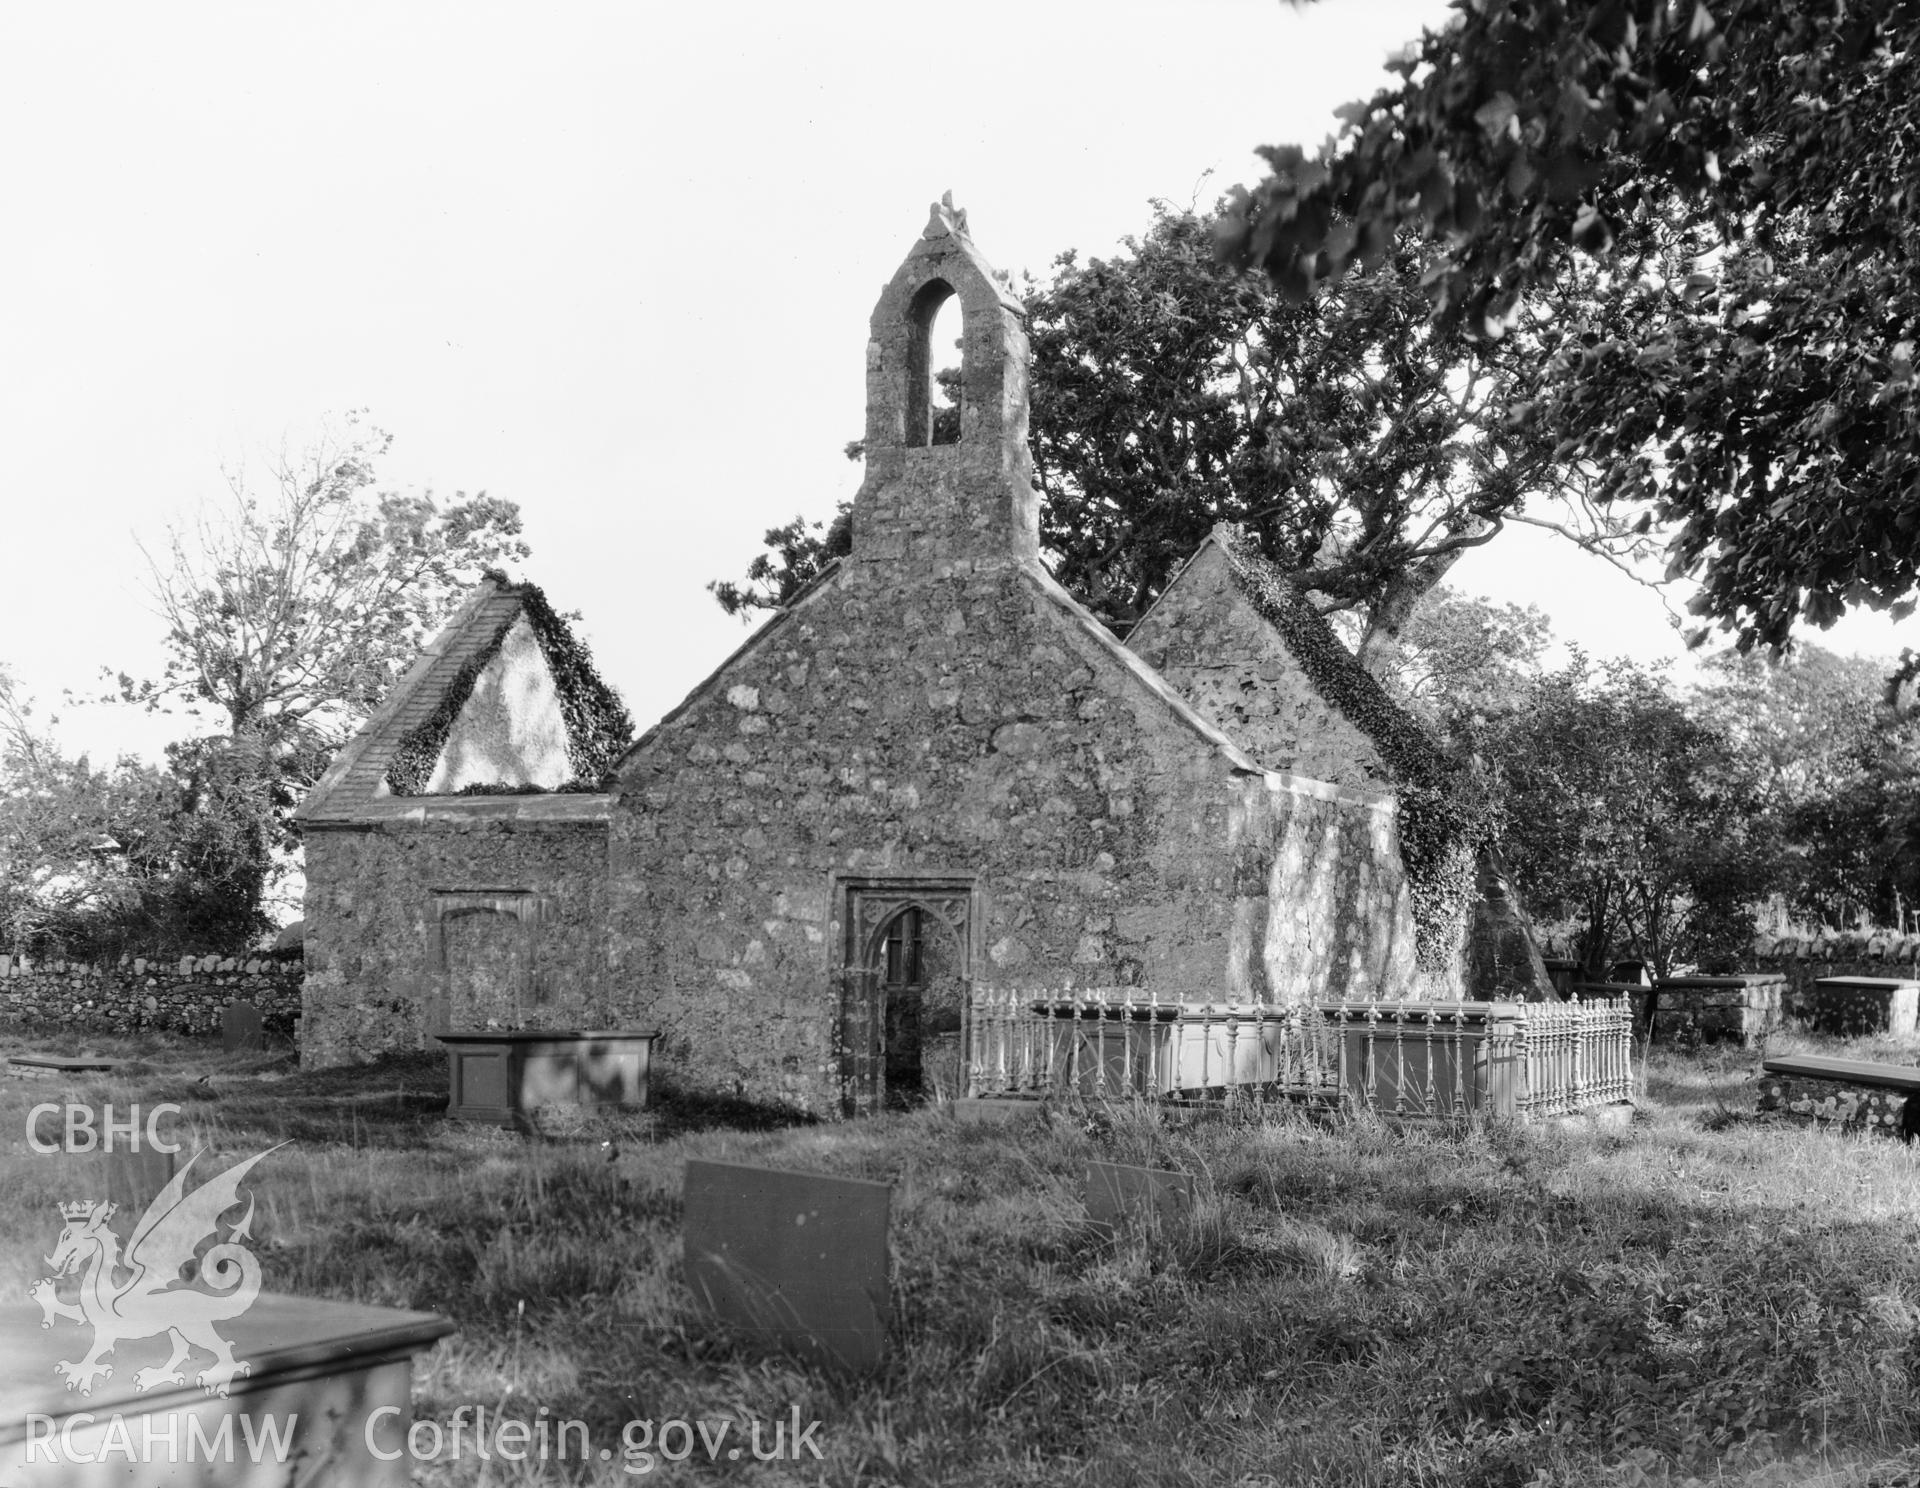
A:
(1839, 772)
(1629, 815)
(1734, 185)
(1362, 450)
(57, 847)
(128, 857)
(1463, 659)
(290, 611)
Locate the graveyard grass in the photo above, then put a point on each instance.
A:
(1702, 1297)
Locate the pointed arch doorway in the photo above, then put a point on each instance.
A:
(906, 965)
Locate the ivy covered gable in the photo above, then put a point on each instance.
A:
(504, 701)
(1254, 656)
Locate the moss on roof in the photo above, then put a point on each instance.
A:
(598, 725)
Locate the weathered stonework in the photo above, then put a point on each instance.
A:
(1847, 1006)
(1209, 639)
(183, 995)
(1206, 638)
(934, 734)
(937, 709)
(478, 912)
(1836, 1103)
(441, 910)
(1740, 1009)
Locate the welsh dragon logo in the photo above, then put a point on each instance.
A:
(143, 1293)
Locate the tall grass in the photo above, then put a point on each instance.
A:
(1701, 1297)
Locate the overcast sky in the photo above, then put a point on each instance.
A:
(611, 262)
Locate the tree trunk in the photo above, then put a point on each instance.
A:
(1387, 616)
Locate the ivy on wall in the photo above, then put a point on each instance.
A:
(598, 726)
(1443, 821)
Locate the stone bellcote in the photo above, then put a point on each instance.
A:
(970, 503)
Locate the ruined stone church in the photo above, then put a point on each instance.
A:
(933, 771)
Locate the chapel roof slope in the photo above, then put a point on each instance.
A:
(382, 772)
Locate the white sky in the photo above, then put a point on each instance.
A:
(613, 262)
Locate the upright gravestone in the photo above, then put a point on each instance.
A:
(1118, 1194)
(130, 1172)
(240, 1030)
(135, 1177)
(799, 1258)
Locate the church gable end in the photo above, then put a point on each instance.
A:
(932, 772)
(937, 731)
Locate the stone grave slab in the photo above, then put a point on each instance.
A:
(129, 1177)
(799, 1258)
(327, 1398)
(990, 1108)
(57, 1066)
(1119, 1194)
(1854, 1094)
(240, 1029)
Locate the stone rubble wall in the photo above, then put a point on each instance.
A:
(378, 903)
(964, 722)
(1854, 1107)
(135, 994)
(1206, 638)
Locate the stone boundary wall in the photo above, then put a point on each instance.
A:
(180, 996)
(1805, 961)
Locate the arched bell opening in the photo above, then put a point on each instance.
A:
(936, 366)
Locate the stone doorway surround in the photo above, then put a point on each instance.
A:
(865, 907)
(488, 974)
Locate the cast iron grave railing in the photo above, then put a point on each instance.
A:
(1408, 1059)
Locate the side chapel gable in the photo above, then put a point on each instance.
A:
(1207, 636)
(483, 705)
